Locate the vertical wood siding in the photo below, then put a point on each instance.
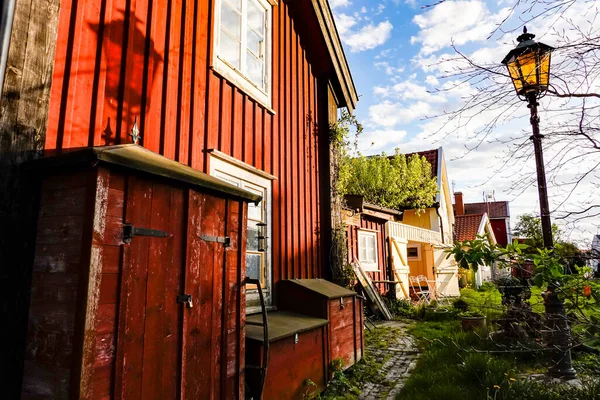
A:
(382, 248)
(122, 61)
(104, 320)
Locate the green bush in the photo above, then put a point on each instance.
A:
(487, 287)
(460, 305)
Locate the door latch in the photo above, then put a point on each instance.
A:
(185, 298)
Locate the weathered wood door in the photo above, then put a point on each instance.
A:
(169, 348)
(149, 351)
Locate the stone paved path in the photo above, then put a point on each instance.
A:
(403, 352)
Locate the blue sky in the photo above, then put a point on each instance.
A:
(394, 47)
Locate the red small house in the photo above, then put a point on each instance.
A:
(241, 91)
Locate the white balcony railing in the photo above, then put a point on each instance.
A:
(414, 234)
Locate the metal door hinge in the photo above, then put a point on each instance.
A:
(216, 239)
(185, 298)
(129, 231)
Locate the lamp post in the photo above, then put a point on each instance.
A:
(528, 65)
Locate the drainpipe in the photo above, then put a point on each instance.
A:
(437, 210)
(7, 11)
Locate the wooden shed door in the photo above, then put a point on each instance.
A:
(151, 320)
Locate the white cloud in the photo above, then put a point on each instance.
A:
(377, 141)
(344, 23)
(339, 3)
(387, 68)
(368, 37)
(432, 80)
(456, 22)
(388, 114)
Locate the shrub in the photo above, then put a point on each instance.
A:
(487, 287)
(460, 305)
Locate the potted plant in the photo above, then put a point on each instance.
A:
(472, 320)
(513, 291)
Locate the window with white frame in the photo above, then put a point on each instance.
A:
(413, 252)
(258, 236)
(243, 45)
(367, 250)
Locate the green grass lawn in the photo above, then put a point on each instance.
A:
(455, 366)
(469, 365)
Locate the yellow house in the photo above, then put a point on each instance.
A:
(417, 243)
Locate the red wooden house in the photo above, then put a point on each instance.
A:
(231, 101)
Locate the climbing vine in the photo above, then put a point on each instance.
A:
(339, 144)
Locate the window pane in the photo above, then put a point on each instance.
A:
(255, 68)
(229, 49)
(252, 236)
(231, 19)
(253, 265)
(237, 4)
(362, 254)
(256, 17)
(254, 43)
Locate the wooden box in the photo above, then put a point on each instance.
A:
(297, 353)
(122, 234)
(341, 307)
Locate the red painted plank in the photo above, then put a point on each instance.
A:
(130, 353)
(155, 79)
(301, 162)
(186, 81)
(109, 289)
(293, 160)
(172, 330)
(217, 261)
(158, 266)
(134, 80)
(235, 147)
(227, 117)
(212, 113)
(111, 263)
(248, 131)
(257, 153)
(201, 57)
(172, 76)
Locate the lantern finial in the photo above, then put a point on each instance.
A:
(525, 36)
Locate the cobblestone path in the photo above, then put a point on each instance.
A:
(401, 352)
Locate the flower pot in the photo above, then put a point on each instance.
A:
(472, 323)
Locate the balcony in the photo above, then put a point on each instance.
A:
(413, 234)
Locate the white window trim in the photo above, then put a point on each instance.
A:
(368, 266)
(235, 76)
(246, 172)
(413, 258)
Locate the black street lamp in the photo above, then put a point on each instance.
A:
(529, 67)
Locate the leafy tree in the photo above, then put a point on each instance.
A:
(397, 182)
(567, 253)
(529, 227)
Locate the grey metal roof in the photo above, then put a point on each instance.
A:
(134, 157)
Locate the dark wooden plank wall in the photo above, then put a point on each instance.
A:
(377, 225)
(24, 102)
(50, 355)
(120, 60)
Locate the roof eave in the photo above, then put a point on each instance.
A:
(348, 94)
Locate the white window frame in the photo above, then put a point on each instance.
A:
(366, 265)
(234, 75)
(413, 258)
(251, 179)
